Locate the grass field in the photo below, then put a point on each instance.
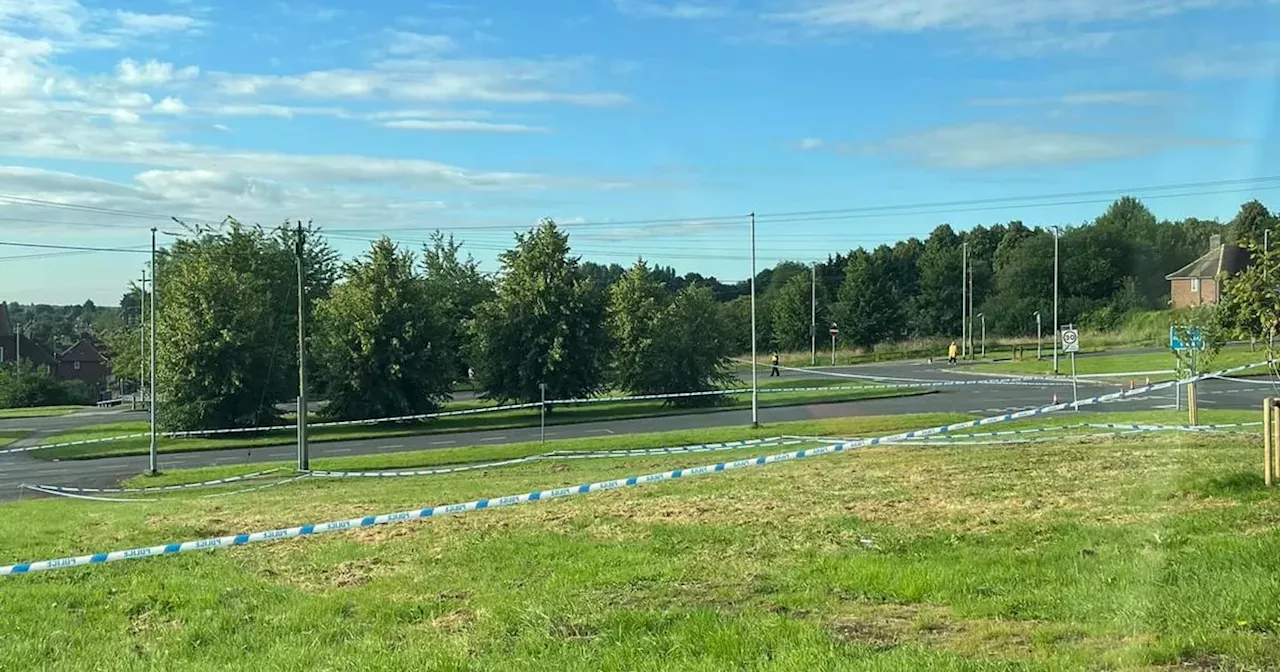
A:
(8, 436)
(1123, 363)
(1133, 553)
(485, 421)
(38, 411)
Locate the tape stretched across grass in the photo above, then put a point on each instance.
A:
(556, 493)
(192, 433)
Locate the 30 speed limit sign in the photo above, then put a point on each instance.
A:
(1070, 340)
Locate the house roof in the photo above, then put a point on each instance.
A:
(84, 350)
(1227, 259)
(31, 351)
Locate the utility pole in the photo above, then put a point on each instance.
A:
(304, 459)
(1055, 300)
(17, 348)
(813, 318)
(142, 338)
(964, 273)
(972, 353)
(153, 468)
(755, 389)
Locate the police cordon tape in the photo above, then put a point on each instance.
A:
(510, 407)
(553, 455)
(556, 493)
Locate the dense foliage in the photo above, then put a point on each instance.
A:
(397, 331)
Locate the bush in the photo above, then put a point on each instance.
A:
(25, 385)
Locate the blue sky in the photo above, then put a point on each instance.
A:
(480, 118)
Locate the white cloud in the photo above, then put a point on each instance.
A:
(987, 146)
(123, 116)
(1083, 98)
(170, 105)
(406, 43)
(671, 10)
(132, 99)
(152, 73)
(143, 25)
(1228, 62)
(809, 143)
(493, 81)
(461, 126)
(920, 15)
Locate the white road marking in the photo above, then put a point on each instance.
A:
(441, 443)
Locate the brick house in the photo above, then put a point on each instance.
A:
(86, 361)
(1199, 282)
(12, 345)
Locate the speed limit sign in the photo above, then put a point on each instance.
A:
(1070, 340)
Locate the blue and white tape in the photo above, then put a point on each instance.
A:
(161, 488)
(555, 493)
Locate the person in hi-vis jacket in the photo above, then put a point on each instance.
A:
(951, 353)
(773, 370)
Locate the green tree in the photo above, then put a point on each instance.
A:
(937, 309)
(24, 385)
(1023, 283)
(792, 313)
(635, 302)
(227, 301)
(379, 341)
(694, 346)
(871, 308)
(546, 323)
(454, 286)
(1251, 222)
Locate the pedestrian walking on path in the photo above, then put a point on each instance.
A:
(951, 353)
(773, 371)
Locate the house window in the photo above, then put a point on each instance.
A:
(1195, 284)
(75, 365)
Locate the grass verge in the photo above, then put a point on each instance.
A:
(38, 412)
(8, 436)
(1123, 363)
(1137, 553)
(467, 423)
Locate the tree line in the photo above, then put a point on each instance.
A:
(395, 330)
(392, 331)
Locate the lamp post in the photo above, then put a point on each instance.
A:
(1056, 233)
(755, 389)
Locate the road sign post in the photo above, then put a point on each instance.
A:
(1188, 340)
(834, 332)
(1071, 344)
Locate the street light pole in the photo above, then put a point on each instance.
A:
(964, 262)
(304, 457)
(1055, 300)
(813, 318)
(755, 383)
(152, 466)
(142, 338)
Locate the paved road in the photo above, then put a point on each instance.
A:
(984, 400)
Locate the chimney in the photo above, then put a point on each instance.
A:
(1215, 241)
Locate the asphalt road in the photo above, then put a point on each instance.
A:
(982, 400)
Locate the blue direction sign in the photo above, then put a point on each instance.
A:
(1186, 338)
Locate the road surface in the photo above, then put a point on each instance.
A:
(980, 400)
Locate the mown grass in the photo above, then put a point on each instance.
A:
(1132, 553)
(8, 436)
(38, 411)
(1126, 362)
(465, 423)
